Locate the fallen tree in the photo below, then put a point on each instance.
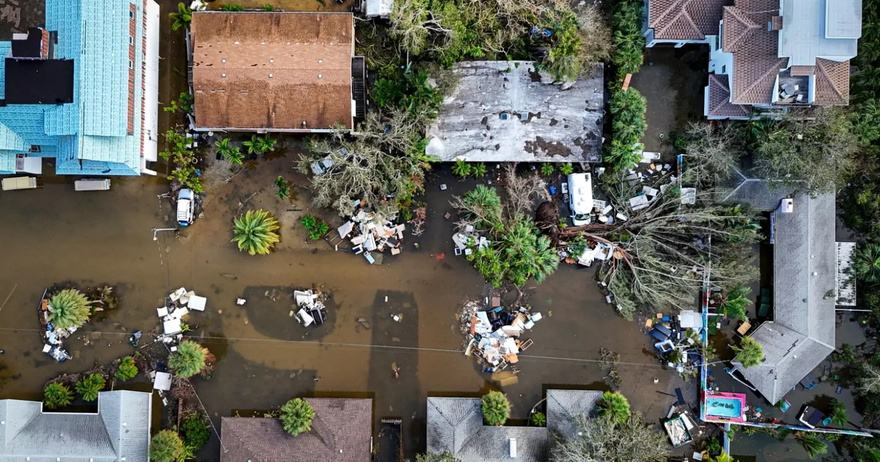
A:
(661, 255)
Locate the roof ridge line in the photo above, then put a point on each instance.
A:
(761, 77)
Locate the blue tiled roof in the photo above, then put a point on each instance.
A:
(5, 48)
(10, 141)
(90, 135)
(7, 162)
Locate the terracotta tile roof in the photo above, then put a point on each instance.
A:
(719, 98)
(260, 70)
(342, 431)
(685, 19)
(832, 82)
(738, 28)
(755, 63)
(802, 70)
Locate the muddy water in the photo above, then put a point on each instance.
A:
(55, 235)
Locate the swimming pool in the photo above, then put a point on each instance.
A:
(724, 407)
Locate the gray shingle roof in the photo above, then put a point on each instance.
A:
(804, 270)
(456, 425)
(342, 431)
(760, 194)
(564, 406)
(119, 431)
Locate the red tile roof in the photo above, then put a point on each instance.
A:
(719, 99)
(832, 82)
(755, 61)
(685, 19)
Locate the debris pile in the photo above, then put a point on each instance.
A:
(311, 309)
(372, 232)
(678, 339)
(494, 335)
(178, 304)
(468, 240)
(53, 337)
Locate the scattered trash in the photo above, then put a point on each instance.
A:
(240, 301)
(373, 232)
(494, 334)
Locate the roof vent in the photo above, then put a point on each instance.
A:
(320, 76)
(223, 75)
(262, 43)
(513, 448)
(237, 42)
(776, 23)
(320, 61)
(304, 123)
(271, 60)
(223, 60)
(270, 76)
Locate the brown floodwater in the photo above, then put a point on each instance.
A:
(264, 357)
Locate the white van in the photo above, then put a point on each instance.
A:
(580, 188)
(92, 184)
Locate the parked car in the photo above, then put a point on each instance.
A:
(321, 166)
(185, 207)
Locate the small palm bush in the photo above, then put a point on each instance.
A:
(315, 226)
(547, 169)
(461, 168)
(182, 18)
(495, 407)
(254, 232)
(166, 446)
(812, 444)
(866, 262)
(538, 419)
(89, 386)
(189, 359)
(566, 169)
(69, 308)
(478, 170)
(231, 153)
(57, 395)
(615, 406)
(296, 416)
(127, 370)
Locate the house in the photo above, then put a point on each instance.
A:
(119, 431)
(275, 72)
(86, 96)
(501, 111)
(456, 425)
(802, 332)
(766, 56)
(342, 431)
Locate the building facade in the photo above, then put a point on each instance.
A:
(766, 56)
(82, 90)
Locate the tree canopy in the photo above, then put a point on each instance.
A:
(605, 439)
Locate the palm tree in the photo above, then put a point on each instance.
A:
(182, 18)
(526, 254)
(866, 263)
(258, 145)
(495, 407)
(127, 369)
(296, 416)
(89, 386)
(838, 413)
(230, 153)
(189, 359)
(57, 395)
(812, 444)
(615, 406)
(749, 352)
(69, 308)
(254, 232)
(166, 446)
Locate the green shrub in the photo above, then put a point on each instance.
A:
(495, 408)
(629, 43)
(89, 386)
(547, 169)
(166, 446)
(316, 227)
(628, 126)
(57, 395)
(478, 170)
(461, 168)
(195, 432)
(566, 169)
(296, 416)
(538, 419)
(127, 370)
(232, 7)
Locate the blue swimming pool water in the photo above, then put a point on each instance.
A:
(724, 407)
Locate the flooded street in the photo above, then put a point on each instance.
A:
(54, 235)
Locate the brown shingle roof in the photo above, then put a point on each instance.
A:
(832, 82)
(719, 98)
(800, 71)
(341, 432)
(685, 19)
(308, 56)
